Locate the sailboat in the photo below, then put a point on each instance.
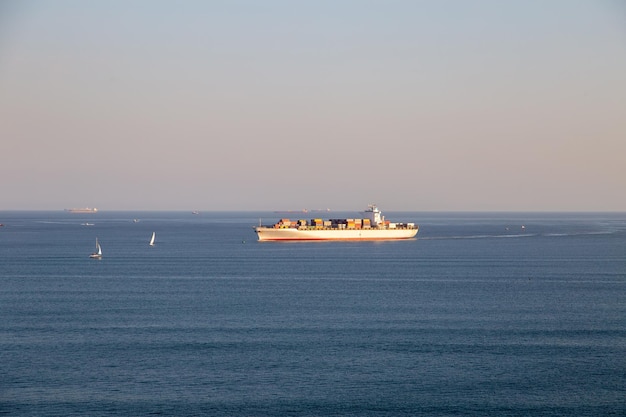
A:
(152, 239)
(98, 253)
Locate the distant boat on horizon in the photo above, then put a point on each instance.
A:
(82, 210)
(327, 210)
(152, 239)
(98, 253)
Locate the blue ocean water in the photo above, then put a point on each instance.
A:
(477, 316)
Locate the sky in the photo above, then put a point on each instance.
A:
(283, 105)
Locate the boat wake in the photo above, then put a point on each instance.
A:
(607, 232)
(477, 237)
(516, 236)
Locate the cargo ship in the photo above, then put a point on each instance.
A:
(373, 226)
(82, 210)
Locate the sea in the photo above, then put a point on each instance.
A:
(483, 314)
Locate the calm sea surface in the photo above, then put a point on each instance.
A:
(477, 316)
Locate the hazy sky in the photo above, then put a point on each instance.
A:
(276, 105)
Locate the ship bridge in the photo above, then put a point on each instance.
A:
(374, 215)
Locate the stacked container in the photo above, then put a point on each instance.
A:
(317, 223)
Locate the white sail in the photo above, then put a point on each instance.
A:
(152, 239)
(98, 253)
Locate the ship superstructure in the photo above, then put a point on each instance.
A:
(372, 226)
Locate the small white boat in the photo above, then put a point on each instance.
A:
(152, 239)
(98, 253)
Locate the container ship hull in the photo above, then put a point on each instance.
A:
(272, 234)
(372, 226)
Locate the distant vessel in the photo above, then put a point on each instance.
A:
(98, 253)
(303, 211)
(372, 226)
(87, 224)
(82, 210)
(195, 212)
(152, 239)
